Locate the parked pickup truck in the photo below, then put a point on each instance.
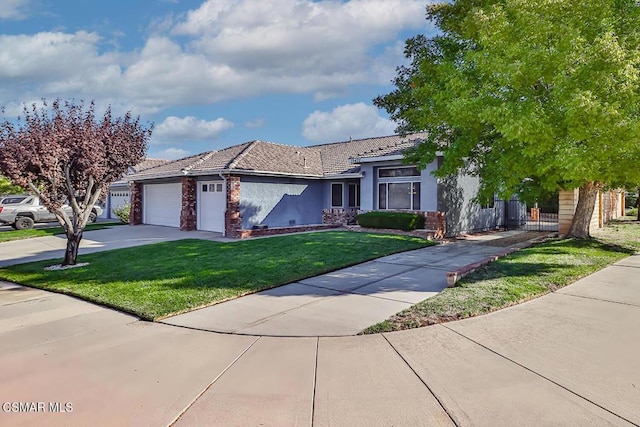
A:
(21, 212)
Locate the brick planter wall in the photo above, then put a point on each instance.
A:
(232, 218)
(135, 215)
(436, 221)
(244, 234)
(188, 215)
(339, 216)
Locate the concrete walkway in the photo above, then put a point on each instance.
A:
(568, 358)
(343, 302)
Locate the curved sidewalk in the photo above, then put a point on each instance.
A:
(343, 302)
(567, 358)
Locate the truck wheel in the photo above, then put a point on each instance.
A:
(92, 217)
(23, 223)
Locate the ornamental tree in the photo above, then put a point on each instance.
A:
(517, 91)
(65, 154)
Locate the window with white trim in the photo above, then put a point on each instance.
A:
(353, 195)
(399, 188)
(336, 194)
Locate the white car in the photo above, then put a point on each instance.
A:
(22, 211)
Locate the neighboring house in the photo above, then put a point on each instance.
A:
(247, 188)
(119, 191)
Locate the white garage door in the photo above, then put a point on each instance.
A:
(162, 204)
(211, 205)
(117, 199)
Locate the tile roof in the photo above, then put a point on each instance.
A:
(271, 158)
(169, 169)
(149, 163)
(278, 158)
(336, 157)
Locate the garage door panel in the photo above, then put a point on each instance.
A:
(211, 205)
(162, 204)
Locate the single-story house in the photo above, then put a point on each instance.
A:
(119, 191)
(248, 188)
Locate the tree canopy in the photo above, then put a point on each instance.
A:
(518, 91)
(7, 187)
(64, 154)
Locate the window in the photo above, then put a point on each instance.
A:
(336, 195)
(219, 188)
(399, 195)
(488, 205)
(399, 188)
(354, 195)
(398, 172)
(205, 188)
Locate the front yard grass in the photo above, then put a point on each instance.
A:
(7, 236)
(157, 280)
(521, 276)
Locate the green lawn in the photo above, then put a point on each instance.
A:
(6, 236)
(154, 281)
(521, 276)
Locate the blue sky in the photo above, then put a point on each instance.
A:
(214, 73)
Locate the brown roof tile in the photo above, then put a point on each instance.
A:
(263, 156)
(336, 157)
(268, 157)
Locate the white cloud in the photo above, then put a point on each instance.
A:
(255, 124)
(12, 9)
(187, 129)
(351, 120)
(222, 50)
(170, 154)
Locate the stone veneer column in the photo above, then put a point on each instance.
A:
(232, 218)
(135, 214)
(567, 208)
(188, 215)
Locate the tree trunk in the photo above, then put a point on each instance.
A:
(73, 243)
(584, 211)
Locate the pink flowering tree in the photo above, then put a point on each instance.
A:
(65, 154)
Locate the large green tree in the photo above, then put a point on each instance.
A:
(521, 91)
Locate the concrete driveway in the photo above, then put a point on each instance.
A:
(568, 358)
(121, 236)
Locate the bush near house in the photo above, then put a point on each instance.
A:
(122, 212)
(394, 220)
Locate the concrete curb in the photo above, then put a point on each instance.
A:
(454, 276)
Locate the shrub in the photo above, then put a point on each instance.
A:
(395, 220)
(632, 212)
(122, 212)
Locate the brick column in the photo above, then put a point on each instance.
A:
(135, 214)
(232, 218)
(188, 215)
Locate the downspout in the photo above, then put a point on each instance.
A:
(226, 196)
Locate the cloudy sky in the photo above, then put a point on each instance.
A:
(214, 73)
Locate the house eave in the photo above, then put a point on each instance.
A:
(377, 159)
(196, 173)
(343, 175)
